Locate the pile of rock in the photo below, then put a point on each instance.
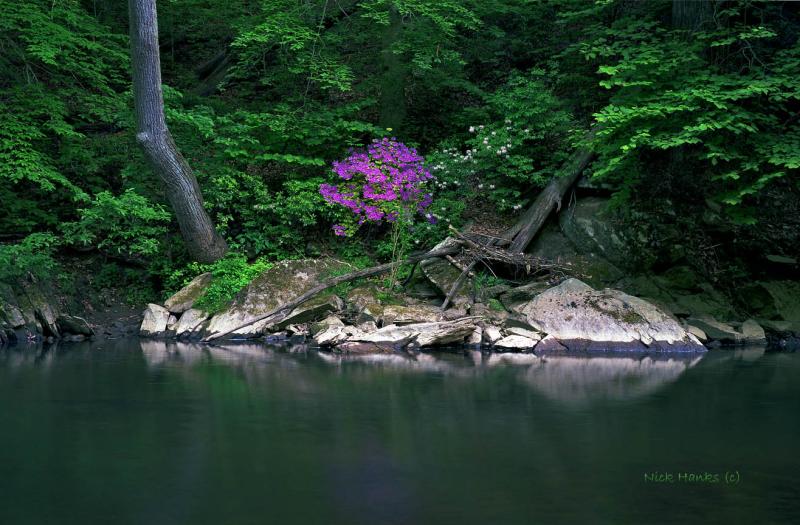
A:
(570, 316)
(29, 313)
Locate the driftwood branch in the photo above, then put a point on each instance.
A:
(283, 310)
(457, 284)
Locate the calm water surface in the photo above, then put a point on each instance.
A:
(131, 432)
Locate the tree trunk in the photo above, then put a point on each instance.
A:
(691, 15)
(393, 79)
(526, 228)
(202, 240)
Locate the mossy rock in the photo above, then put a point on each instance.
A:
(185, 298)
(278, 285)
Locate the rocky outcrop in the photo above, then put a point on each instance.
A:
(517, 342)
(775, 301)
(189, 294)
(274, 287)
(421, 334)
(154, 322)
(30, 311)
(716, 330)
(69, 324)
(189, 323)
(583, 318)
(312, 310)
(421, 313)
(443, 275)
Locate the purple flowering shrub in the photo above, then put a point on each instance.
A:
(386, 182)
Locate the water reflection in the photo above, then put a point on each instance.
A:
(571, 379)
(231, 434)
(582, 380)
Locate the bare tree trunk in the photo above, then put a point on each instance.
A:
(198, 232)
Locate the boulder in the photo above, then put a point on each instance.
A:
(550, 345)
(331, 335)
(590, 229)
(420, 313)
(390, 336)
(443, 275)
(517, 342)
(358, 347)
(312, 310)
(476, 337)
(44, 308)
(155, 321)
(752, 333)
(697, 332)
(328, 322)
(492, 334)
(190, 322)
(716, 330)
(523, 332)
(433, 334)
(522, 294)
(189, 294)
(774, 300)
(681, 278)
(583, 318)
(9, 309)
(551, 244)
(422, 334)
(74, 325)
(283, 282)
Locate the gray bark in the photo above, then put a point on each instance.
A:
(202, 240)
(526, 228)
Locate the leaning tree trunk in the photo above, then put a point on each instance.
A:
(198, 232)
(526, 228)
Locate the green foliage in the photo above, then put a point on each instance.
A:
(61, 77)
(262, 96)
(33, 255)
(128, 225)
(719, 102)
(133, 284)
(230, 275)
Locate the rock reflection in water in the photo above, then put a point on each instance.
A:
(581, 380)
(571, 379)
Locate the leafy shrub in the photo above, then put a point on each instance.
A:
(230, 275)
(34, 255)
(128, 225)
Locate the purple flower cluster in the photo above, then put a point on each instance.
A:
(381, 183)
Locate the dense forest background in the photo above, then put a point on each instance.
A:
(692, 110)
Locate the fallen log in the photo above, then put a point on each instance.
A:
(522, 233)
(278, 313)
